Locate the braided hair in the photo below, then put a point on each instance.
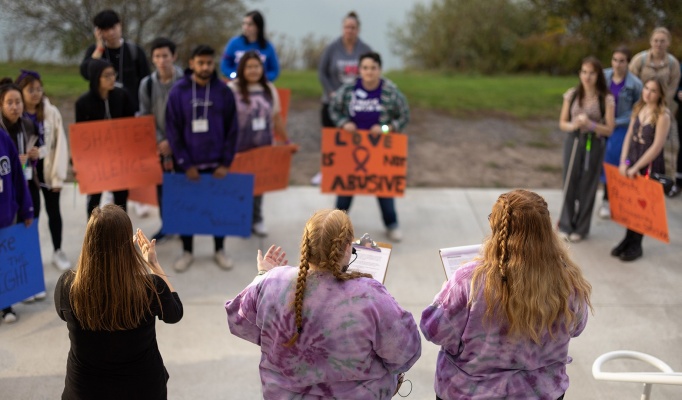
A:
(326, 236)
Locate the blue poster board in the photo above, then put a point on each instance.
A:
(21, 267)
(209, 206)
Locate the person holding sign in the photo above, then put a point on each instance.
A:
(348, 316)
(251, 39)
(588, 117)
(15, 199)
(104, 101)
(504, 320)
(52, 166)
(259, 116)
(642, 152)
(202, 129)
(371, 103)
(110, 305)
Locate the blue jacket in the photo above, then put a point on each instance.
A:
(627, 97)
(15, 200)
(237, 46)
(203, 149)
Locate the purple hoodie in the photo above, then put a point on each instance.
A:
(14, 195)
(206, 149)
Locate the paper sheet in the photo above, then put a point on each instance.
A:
(372, 262)
(455, 257)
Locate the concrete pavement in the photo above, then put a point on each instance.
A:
(637, 305)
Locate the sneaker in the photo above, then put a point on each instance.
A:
(317, 179)
(604, 210)
(674, 191)
(60, 261)
(394, 235)
(29, 300)
(563, 236)
(9, 317)
(259, 229)
(107, 198)
(142, 210)
(40, 296)
(223, 260)
(183, 262)
(575, 237)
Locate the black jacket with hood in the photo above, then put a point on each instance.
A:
(91, 107)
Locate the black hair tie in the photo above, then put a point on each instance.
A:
(299, 330)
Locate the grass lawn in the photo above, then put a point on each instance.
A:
(521, 96)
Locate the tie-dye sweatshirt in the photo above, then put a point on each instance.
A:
(480, 361)
(355, 337)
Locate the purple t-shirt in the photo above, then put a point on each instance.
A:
(365, 106)
(615, 88)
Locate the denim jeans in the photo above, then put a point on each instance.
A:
(387, 205)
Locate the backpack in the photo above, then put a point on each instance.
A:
(645, 55)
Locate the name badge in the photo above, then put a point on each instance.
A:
(200, 125)
(1, 185)
(28, 173)
(258, 124)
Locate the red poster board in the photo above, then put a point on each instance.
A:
(638, 204)
(115, 154)
(144, 194)
(284, 100)
(363, 163)
(269, 164)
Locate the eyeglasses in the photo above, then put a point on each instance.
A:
(109, 75)
(35, 90)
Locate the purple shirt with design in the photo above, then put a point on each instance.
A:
(355, 337)
(365, 106)
(484, 363)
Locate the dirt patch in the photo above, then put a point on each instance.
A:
(444, 151)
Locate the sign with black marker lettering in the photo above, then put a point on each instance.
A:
(363, 163)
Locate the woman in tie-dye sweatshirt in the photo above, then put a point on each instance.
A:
(324, 333)
(504, 321)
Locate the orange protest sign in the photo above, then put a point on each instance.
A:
(284, 99)
(144, 194)
(637, 203)
(115, 154)
(270, 166)
(363, 163)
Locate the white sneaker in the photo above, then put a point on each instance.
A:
(575, 237)
(10, 317)
(563, 236)
(604, 210)
(394, 235)
(60, 261)
(38, 297)
(259, 229)
(317, 179)
(142, 210)
(183, 262)
(223, 260)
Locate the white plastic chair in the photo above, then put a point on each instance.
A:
(666, 377)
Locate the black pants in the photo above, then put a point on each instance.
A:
(678, 170)
(120, 199)
(326, 120)
(54, 216)
(257, 209)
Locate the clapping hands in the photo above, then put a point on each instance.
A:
(274, 257)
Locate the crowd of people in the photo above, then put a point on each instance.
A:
(497, 340)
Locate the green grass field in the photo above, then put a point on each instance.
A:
(521, 96)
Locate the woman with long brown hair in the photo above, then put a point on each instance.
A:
(110, 304)
(504, 320)
(588, 117)
(324, 332)
(642, 152)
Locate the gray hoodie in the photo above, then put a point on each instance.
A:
(338, 67)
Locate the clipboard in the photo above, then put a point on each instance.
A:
(454, 257)
(372, 258)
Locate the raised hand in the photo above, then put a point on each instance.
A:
(274, 257)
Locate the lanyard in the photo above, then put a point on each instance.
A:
(194, 100)
(107, 112)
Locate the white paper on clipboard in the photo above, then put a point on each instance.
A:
(455, 257)
(372, 262)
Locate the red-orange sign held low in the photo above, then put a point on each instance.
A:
(115, 154)
(270, 166)
(637, 203)
(363, 163)
(284, 100)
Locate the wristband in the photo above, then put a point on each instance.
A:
(261, 272)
